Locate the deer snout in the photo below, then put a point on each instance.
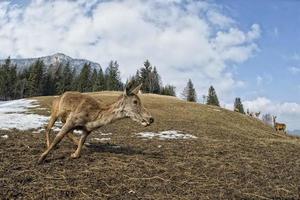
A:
(151, 120)
(147, 121)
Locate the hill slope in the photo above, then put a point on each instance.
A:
(233, 156)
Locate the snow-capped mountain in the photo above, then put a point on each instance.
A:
(54, 60)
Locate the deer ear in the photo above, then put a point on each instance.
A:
(126, 91)
(136, 90)
(128, 86)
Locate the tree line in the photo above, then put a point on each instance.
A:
(41, 80)
(189, 94)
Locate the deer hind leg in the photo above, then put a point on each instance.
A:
(65, 129)
(73, 138)
(48, 129)
(76, 154)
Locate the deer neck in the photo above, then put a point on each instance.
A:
(110, 114)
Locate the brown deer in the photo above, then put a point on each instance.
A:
(81, 111)
(278, 126)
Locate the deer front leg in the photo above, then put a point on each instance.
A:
(76, 154)
(48, 129)
(66, 128)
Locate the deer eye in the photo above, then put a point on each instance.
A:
(135, 102)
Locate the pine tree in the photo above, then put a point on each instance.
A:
(238, 106)
(155, 83)
(13, 79)
(168, 90)
(49, 86)
(74, 84)
(57, 78)
(7, 80)
(20, 86)
(212, 98)
(189, 92)
(94, 80)
(112, 76)
(65, 79)
(84, 79)
(36, 77)
(145, 74)
(101, 84)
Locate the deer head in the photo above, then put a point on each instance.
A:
(274, 119)
(257, 114)
(133, 108)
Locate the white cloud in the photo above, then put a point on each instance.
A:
(185, 39)
(295, 56)
(264, 79)
(276, 32)
(219, 19)
(287, 112)
(294, 70)
(259, 80)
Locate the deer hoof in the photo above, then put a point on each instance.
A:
(74, 155)
(40, 161)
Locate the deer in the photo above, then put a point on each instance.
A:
(83, 112)
(278, 126)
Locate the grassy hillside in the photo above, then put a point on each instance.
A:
(234, 156)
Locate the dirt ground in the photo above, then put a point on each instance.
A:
(234, 157)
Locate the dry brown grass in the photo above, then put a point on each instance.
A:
(234, 157)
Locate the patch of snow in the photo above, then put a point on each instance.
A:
(21, 121)
(101, 139)
(13, 116)
(131, 192)
(215, 109)
(39, 130)
(17, 106)
(42, 109)
(164, 135)
(4, 136)
(106, 133)
(56, 129)
(79, 132)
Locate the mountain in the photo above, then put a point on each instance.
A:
(55, 59)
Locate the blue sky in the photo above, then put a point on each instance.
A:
(279, 42)
(248, 49)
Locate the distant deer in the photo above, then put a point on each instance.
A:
(81, 111)
(278, 126)
(257, 114)
(253, 114)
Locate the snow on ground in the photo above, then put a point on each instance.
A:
(105, 134)
(164, 135)
(4, 136)
(101, 139)
(13, 115)
(215, 109)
